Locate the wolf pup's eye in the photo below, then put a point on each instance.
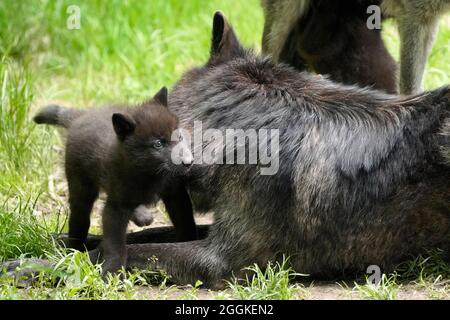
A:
(157, 144)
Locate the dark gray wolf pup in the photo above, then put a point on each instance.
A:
(127, 152)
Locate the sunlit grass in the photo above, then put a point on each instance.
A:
(429, 272)
(21, 233)
(387, 288)
(274, 282)
(74, 277)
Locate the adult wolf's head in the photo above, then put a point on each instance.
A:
(225, 47)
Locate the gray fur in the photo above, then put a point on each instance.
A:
(446, 143)
(57, 115)
(280, 19)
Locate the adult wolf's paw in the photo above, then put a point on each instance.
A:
(25, 271)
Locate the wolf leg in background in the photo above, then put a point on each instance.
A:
(150, 235)
(418, 22)
(142, 216)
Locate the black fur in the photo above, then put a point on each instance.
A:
(126, 152)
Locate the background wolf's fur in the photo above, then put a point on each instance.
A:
(114, 149)
(418, 22)
(446, 144)
(329, 37)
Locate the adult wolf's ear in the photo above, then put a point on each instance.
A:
(161, 97)
(225, 45)
(123, 125)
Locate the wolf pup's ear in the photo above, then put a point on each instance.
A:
(225, 45)
(123, 125)
(161, 97)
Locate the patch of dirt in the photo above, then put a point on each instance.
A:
(330, 291)
(318, 291)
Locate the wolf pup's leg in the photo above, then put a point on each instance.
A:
(82, 195)
(115, 220)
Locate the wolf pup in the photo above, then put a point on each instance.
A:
(127, 153)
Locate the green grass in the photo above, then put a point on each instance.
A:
(74, 277)
(25, 153)
(123, 52)
(429, 272)
(22, 234)
(386, 289)
(272, 283)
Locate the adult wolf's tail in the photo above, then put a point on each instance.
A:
(57, 115)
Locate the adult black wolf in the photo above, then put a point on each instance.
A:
(362, 177)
